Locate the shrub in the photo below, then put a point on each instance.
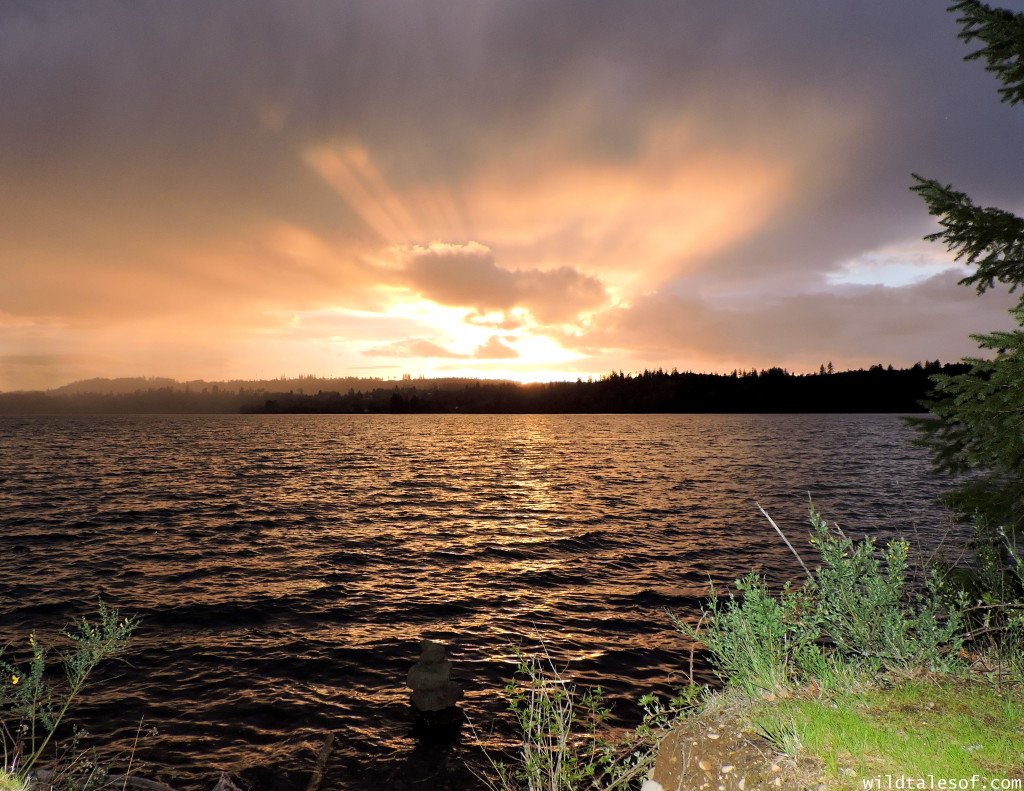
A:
(865, 608)
(756, 639)
(565, 742)
(32, 708)
(854, 615)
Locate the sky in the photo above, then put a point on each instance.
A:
(525, 189)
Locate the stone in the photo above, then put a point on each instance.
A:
(430, 680)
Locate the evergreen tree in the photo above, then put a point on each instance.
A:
(978, 424)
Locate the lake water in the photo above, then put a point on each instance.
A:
(285, 567)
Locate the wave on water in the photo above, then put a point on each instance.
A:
(285, 567)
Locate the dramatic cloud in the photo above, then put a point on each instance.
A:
(493, 349)
(466, 275)
(862, 325)
(247, 188)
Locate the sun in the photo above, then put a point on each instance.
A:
(495, 345)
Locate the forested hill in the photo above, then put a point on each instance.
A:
(878, 389)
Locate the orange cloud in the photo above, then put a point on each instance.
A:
(413, 347)
(636, 222)
(396, 215)
(859, 325)
(493, 349)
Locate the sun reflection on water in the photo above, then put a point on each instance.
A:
(285, 567)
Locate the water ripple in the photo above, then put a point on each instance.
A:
(286, 566)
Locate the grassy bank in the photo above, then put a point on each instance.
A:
(944, 727)
(939, 731)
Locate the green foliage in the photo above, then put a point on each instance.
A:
(756, 640)
(1002, 33)
(988, 238)
(32, 707)
(11, 782)
(946, 727)
(566, 744)
(865, 607)
(978, 427)
(977, 423)
(856, 616)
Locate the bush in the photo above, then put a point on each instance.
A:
(853, 616)
(32, 708)
(755, 639)
(565, 744)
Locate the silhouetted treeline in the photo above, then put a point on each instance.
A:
(878, 389)
(141, 395)
(310, 383)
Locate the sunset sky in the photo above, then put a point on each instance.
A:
(530, 189)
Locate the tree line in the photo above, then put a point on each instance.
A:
(877, 389)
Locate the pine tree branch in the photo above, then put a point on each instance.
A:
(1002, 33)
(990, 239)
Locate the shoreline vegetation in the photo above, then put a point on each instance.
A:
(869, 672)
(881, 389)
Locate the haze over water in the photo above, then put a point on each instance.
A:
(285, 567)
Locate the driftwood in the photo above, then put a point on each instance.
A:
(42, 779)
(114, 782)
(129, 781)
(321, 763)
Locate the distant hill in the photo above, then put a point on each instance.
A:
(300, 384)
(110, 386)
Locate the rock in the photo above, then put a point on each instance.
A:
(430, 680)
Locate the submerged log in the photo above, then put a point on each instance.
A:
(321, 763)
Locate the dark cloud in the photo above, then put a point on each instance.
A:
(130, 92)
(858, 324)
(466, 275)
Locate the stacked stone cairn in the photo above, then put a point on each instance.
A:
(434, 695)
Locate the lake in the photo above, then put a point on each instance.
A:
(286, 567)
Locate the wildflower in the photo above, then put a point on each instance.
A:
(15, 679)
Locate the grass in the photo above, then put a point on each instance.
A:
(860, 674)
(943, 727)
(11, 782)
(856, 615)
(565, 745)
